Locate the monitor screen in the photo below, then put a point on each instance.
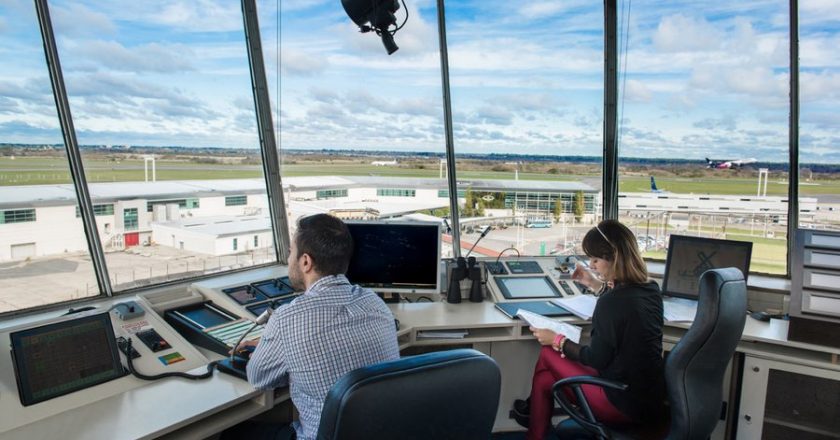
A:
(689, 257)
(57, 359)
(527, 287)
(396, 256)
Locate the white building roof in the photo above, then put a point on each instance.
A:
(220, 226)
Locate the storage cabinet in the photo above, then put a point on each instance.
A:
(788, 402)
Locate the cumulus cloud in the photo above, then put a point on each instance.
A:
(151, 57)
(299, 63)
(637, 91)
(74, 20)
(680, 33)
(727, 123)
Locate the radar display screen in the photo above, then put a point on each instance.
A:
(57, 359)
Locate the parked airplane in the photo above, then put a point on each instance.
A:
(727, 164)
(384, 163)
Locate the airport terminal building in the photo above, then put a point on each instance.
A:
(222, 217)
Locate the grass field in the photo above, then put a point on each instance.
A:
(53, 170)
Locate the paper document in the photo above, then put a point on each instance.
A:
(679, 309)
(581, 305)
(538, 321)
(442, 334)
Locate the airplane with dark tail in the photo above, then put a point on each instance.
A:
(653, 187)
(728, 164)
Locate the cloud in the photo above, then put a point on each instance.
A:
(726, 123)
(299, 63)
(74, 20)
(151, 57)
(637, 91)
(680, 33)
(198, 15)
(25, 132)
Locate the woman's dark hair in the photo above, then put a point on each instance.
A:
(328, 242)
(614, 242)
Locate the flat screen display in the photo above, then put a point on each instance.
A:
(395, 256)
(57, 359)
(689, 257)
(527, 287)
(205, 316)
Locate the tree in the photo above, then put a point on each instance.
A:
(580, 205)
(558, 209)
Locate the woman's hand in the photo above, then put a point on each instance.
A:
(543, 335)
(585, 277)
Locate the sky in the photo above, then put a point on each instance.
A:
(526, 77)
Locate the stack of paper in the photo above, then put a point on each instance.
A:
(679, 309)
(581, 305)
(442, 334)
(538, 321)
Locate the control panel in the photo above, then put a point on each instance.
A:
(249, 294)
(530, 278)
(69, 361)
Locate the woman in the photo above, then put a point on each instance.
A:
(625, 343)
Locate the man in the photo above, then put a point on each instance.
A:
(333, 328)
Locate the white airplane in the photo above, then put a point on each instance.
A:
(383, 163)
(727, 164)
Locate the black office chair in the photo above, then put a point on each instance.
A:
(442, 395)
(694, 369)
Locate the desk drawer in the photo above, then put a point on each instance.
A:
(822, 239)
(820, 303)
(821, 279)
(822, 258)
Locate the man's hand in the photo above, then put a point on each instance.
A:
(543, 335)
(241, 347)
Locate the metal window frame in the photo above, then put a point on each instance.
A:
(71, 145)
(268, 145)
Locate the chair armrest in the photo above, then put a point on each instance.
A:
(584, 418)
(591, 380)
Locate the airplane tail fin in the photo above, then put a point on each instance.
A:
(653, 184)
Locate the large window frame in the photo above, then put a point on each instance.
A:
(270, 151)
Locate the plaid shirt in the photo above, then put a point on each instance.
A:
(333, 328)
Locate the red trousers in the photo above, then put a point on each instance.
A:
(551, 368)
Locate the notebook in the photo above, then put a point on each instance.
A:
(545, 308)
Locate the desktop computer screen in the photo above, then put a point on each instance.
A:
(60, 358)
(396, 256)
(689, 257)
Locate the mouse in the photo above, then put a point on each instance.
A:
(761, 316)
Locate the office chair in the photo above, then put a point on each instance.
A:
(693, 370)
(442, 395)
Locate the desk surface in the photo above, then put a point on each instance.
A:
(178, 408)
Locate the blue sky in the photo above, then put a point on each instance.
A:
(705, 80)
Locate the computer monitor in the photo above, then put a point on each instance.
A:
(399, 257)
(689, 257)
(60, 358)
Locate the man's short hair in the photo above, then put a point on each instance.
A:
(328, 242)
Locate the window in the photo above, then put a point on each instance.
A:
(819, 143)
(330, 193)
(527, 102)
(235, 244)
(444, 193)
(236, 200)
(192, 203)
(362, 132)
(99, 210)
(130, 222)
(164, 114)
(256, 241)
(39, 237)
(388, 192)
(703, 111)
(17, 216)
